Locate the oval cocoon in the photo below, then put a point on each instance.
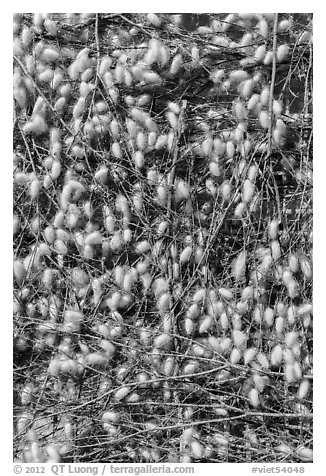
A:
(248, 191)
(186, 254)
(197, 449)
(260, 53)
(121, 393)
(276, 355)
(169, 366)
(226, 294)
(246, 88)
(162, 341)
(164, 302)
(206, 324)
(224, 321)
(264, 119)
(240, 339)
(193, 311)
(189, 326)
(143, 247)
(249, 355)
(190, 368)
(260, 381)
(303, 389)
(154, 19)
(305, 454)
(176, 64)
(235, 356)
(282, 53)
(254, 397)
(19, 272)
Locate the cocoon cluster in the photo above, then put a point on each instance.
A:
(111, 416)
